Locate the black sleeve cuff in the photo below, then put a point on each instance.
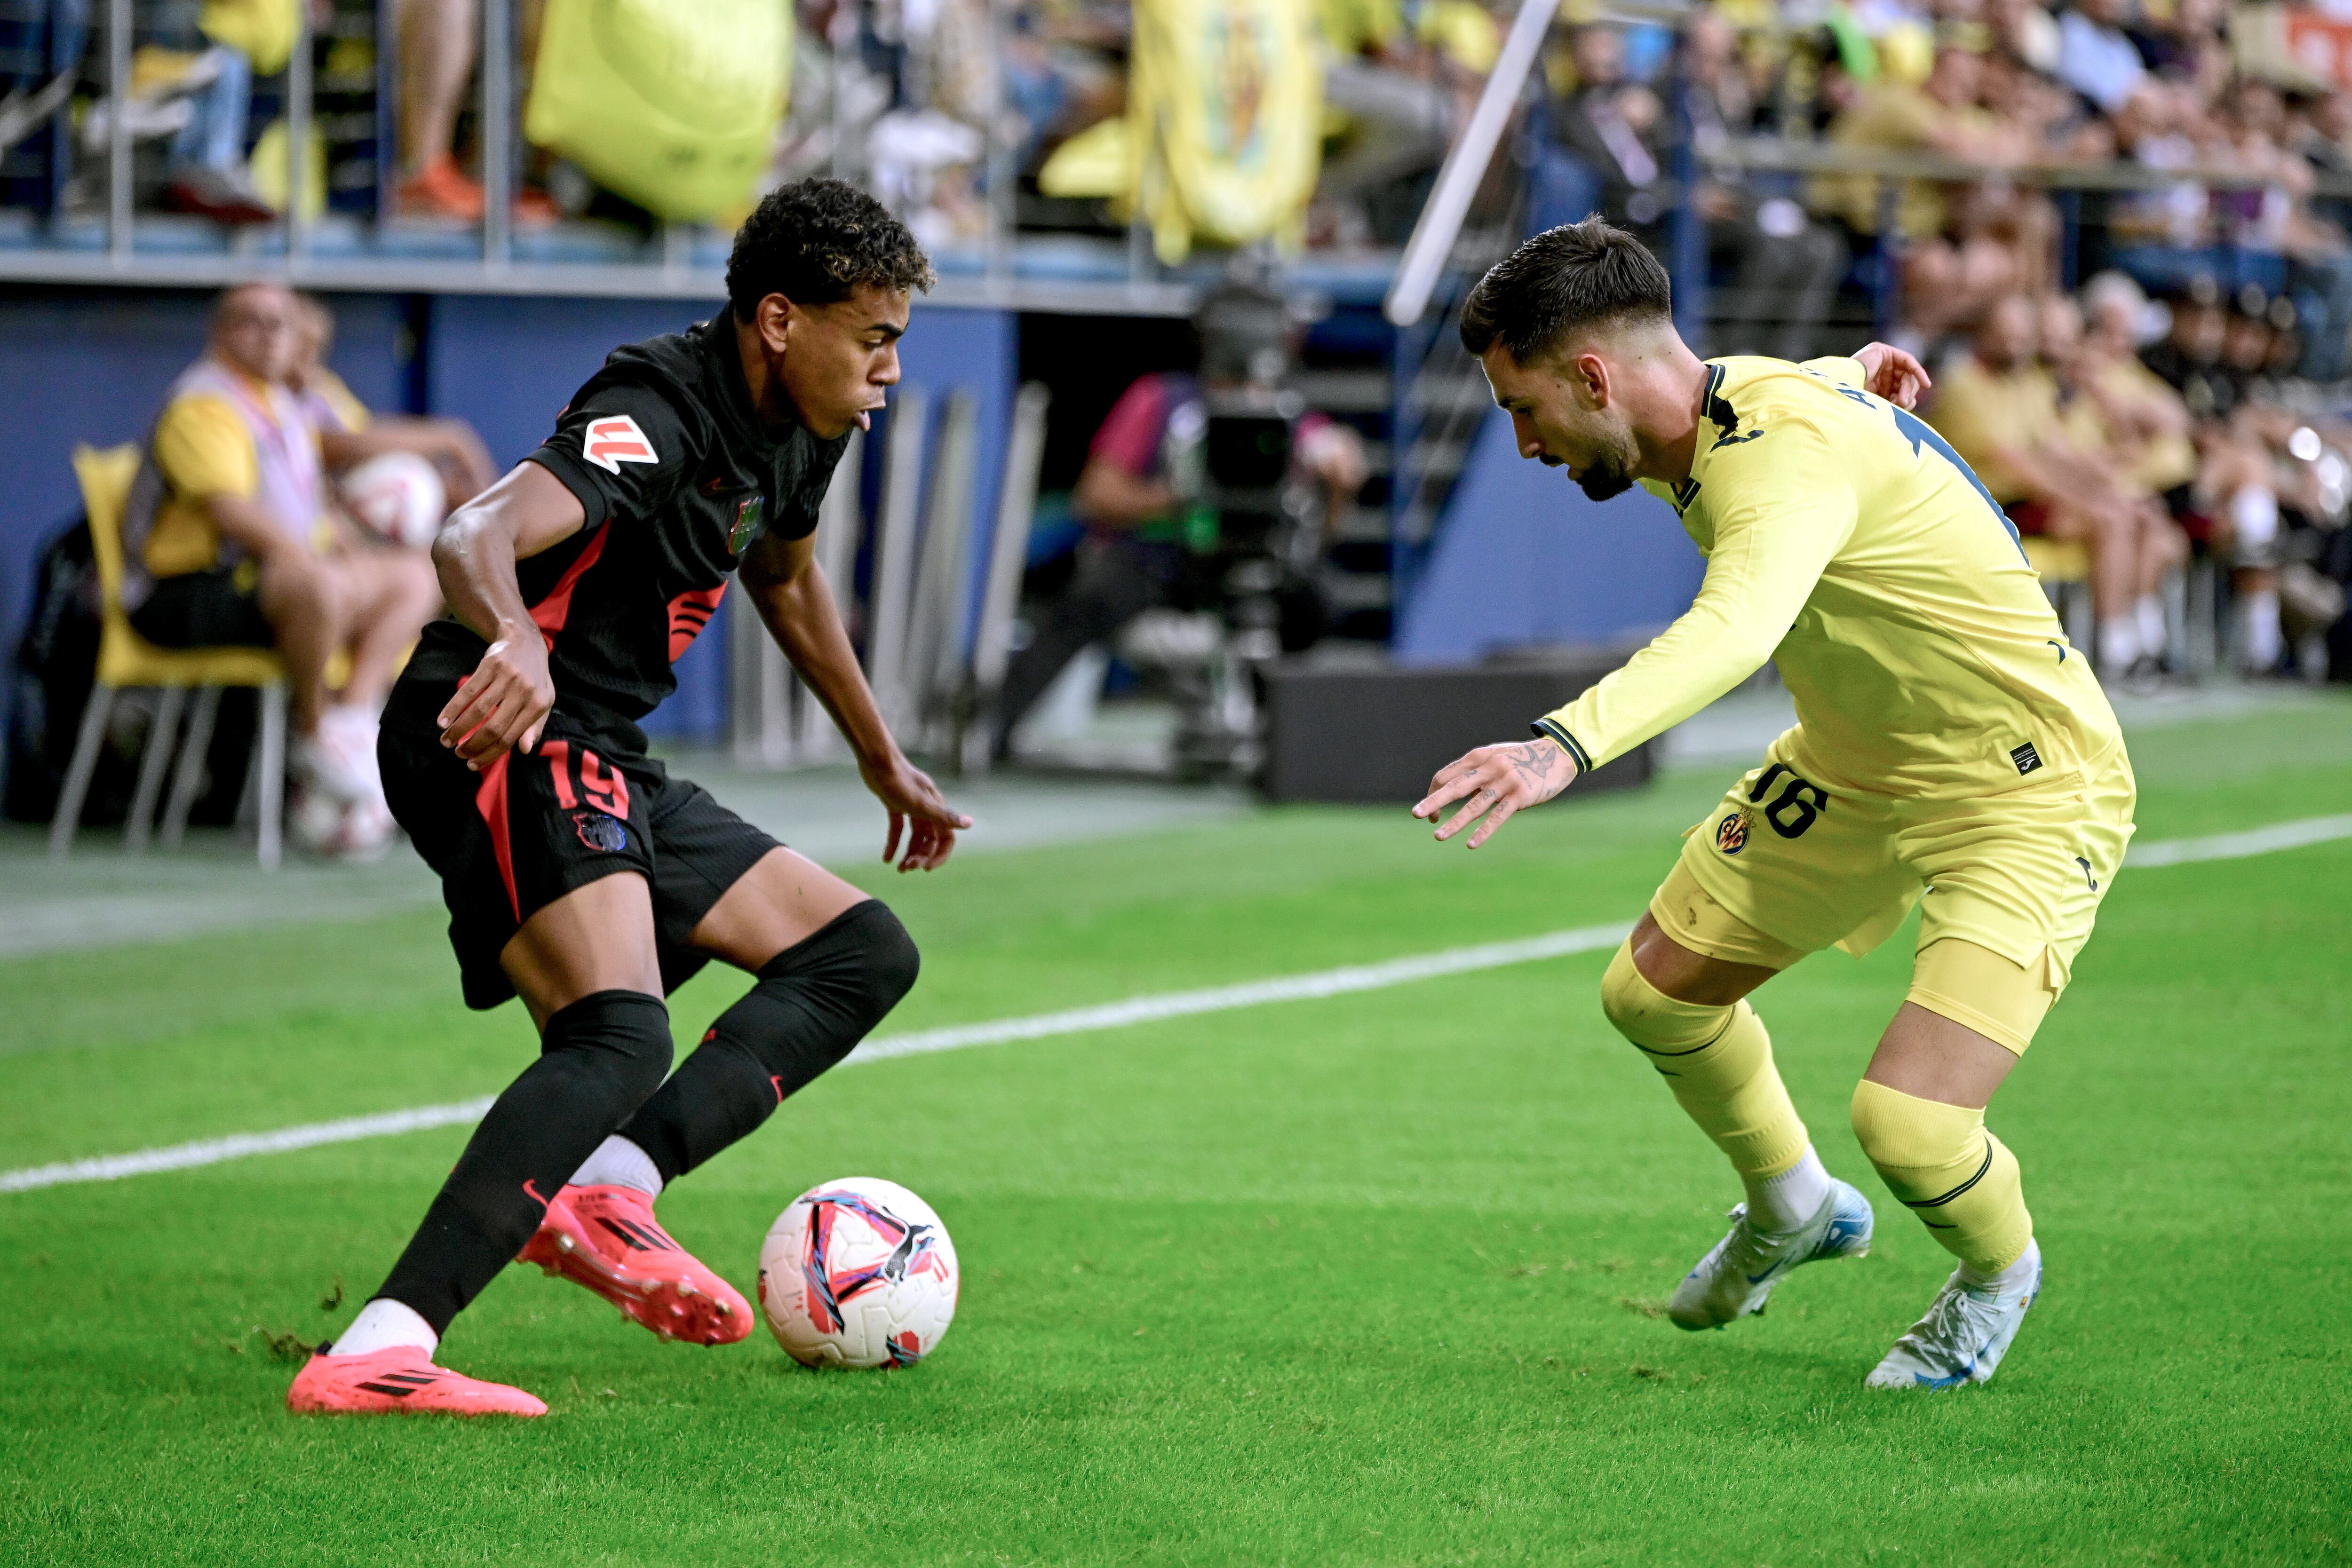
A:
(1550, 729)
(578, 478)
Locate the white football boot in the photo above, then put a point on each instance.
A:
(1733, 1280)
(1965, 1332)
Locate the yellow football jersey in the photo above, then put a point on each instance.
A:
(1848, 542)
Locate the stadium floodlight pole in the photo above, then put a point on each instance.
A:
(1465, 166)
(118, 132)
(498, 135)
(300, 85)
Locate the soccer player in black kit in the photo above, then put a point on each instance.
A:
(580, 876)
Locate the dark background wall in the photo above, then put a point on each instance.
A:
(93, 365)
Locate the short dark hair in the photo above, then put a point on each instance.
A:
(817, 241)
(1574, 275)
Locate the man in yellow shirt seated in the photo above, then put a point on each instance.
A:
(229, 540)
(2048, 460)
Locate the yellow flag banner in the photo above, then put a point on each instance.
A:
(1225, 100)
(673, 106)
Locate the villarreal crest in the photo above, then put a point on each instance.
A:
(1731, 836)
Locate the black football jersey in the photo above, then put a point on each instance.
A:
(678, 477)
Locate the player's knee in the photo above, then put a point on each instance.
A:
(855, 970)
(892, 960)
(1925, 1149)
(1647, 1016)
(883, 964)
(615, 1044)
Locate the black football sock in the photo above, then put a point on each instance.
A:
(814, 1003)
(599, 1058)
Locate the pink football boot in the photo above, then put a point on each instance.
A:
(400, 1378)
(606, 1239)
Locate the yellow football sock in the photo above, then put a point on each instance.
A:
(1958, 1177)
(1718, 1061)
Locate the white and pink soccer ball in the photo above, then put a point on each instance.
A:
(858, 1272)
(399, 496)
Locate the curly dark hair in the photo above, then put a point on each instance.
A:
(815, 241)
(1573, 276)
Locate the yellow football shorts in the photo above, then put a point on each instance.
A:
(2009, 887)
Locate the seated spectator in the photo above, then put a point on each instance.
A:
(2263, 475)
(1399, 118)
(2038, 451)
(2133, 539)
(1135, 555)
(1785, 267)
(1960, 247)
(229, 540)
(2148, 420)
(351, 437)
(1608, 126)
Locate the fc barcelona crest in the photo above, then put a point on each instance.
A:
(1731, 837)
(599, 832)
(751, 515)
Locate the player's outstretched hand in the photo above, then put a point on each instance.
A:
(1893, 374)
(504, 703)
(1496, 782)
(917, 809)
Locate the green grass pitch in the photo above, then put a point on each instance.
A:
(1367, 1279)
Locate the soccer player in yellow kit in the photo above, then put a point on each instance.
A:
(1952, 751)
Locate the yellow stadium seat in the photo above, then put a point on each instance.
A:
(126, 660)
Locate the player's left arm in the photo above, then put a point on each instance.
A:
(782, 577)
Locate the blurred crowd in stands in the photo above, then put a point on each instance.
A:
(1947, 168)
(1639, 117)
(1941, 172)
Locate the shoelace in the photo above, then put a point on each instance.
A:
(1955, 1319)
(1748, 1248)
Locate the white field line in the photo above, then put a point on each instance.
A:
(1078, 1021)
(1220, 999)
(212, 1151)
(1081, 1020)
(2237, 846)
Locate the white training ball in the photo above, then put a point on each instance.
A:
(858, 1272)
(399, 495)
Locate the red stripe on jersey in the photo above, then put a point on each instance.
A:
(491, 801)
(689, 612)
(550, 613)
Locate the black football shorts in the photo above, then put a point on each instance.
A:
(526, 830)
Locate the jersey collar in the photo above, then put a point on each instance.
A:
(732, 394)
